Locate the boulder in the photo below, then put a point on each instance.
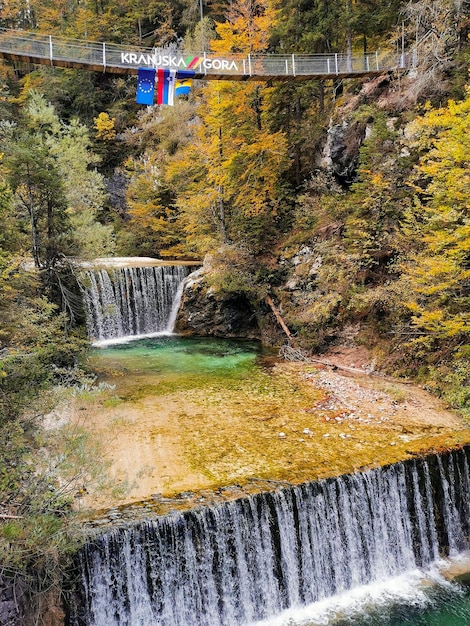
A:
(205, 312)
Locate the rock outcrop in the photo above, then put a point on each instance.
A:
(205, 312)
(341, 152)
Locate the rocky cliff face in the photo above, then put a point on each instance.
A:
(346, 132)
(205, 312)
(341, 151)
(321, 290)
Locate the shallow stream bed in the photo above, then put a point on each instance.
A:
(200, 414)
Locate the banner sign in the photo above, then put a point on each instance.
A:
(171, 61)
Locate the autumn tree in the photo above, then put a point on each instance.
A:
(105, 127)
(437, 271)
(17, 14)
(151, 208)
(229, 181)
(152, 225)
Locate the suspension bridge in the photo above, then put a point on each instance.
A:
(29, 47)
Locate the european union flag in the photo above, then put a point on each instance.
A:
(145, 86)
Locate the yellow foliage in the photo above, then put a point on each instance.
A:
(104, 126)
(439, 272)
(247, 29)
(230, 172)
(29, 83)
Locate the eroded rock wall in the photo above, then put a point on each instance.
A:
(205, 312)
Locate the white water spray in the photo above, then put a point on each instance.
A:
(252, 559)
(132, 302)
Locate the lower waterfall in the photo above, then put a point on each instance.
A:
(247, 560)
(132, 301)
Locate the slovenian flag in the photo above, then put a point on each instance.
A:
(145, 86)
(166, 86)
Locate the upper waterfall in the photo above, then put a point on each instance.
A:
(129, 301)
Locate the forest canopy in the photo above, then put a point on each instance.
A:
(367, 179)
(86, 172)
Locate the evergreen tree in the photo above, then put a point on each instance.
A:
(375, 201)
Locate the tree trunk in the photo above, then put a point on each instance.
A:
(223, 229)
(321, 96)
(51, 244)
(29, 203)
(282, 323)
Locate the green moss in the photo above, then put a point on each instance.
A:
(237, 418)
(112, 401)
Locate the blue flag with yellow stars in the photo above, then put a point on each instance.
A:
(145, 86)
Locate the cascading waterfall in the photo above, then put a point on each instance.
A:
(132, 301)
(247, 560)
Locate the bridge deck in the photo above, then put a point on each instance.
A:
(115, 59)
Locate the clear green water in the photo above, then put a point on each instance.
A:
(447, 606)
(170, 355)
(411, 599)
(449, 612)
(183, 362)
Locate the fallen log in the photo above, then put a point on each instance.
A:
(283, 325)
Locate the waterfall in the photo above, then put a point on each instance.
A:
(132, 301)
(247, 560)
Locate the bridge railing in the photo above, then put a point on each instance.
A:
(46, 48)
(320, 64)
